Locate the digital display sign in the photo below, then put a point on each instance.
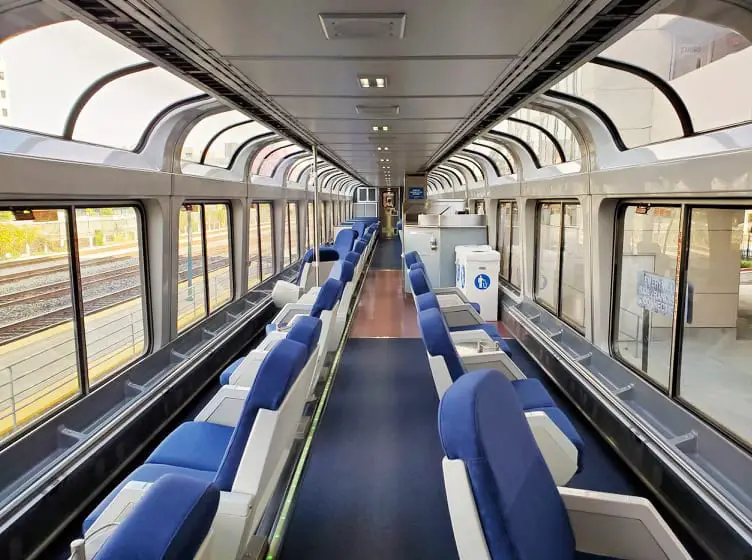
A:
(416, 193)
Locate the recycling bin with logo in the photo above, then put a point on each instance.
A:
(478, 277)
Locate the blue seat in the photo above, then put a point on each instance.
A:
(224, 377)
(326, 299)
(188, 447)
(360, 229)
(343, 271)
(326, 254)
(171, 521)
(433, 329)
(429, 300)
(412, 258)
(344, 242)
(519, 506)
(352, 257)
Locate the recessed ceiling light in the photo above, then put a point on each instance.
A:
(380, 128)
(386, 148)
(379, 148)
(379, 82)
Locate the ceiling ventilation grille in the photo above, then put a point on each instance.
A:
(600, 29)
(363, 26)
(377, 110)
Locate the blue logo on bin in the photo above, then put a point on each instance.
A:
(482, 281)
(462, 276)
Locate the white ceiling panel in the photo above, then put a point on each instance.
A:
(339, 77)
(452, 55)
(361, 126)
(409, 108)
(292, 28)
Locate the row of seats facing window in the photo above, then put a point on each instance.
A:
(202, 492)
(509, 451)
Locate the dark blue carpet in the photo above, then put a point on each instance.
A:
(388, 255)
(373, 486)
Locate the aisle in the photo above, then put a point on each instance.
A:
(388, 255)
(373, 486)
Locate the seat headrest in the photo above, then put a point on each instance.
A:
(438, 341)
(345, 241)
(327, 297)
(326, 254)
(360, 228)
(418, 281)
(170, 521)
(427, 300)
(275, 376)
(352, 257)
(411, 258)
(306, 330)
(521, 511)
(343, 271)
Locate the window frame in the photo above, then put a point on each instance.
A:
(555, 312)
(288, 233)
(672, 390)
(85, 387)
(205, 257)
(507, 281)
(257, 204)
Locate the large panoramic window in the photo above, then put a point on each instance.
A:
(43, 361)
(713, 340)
(508, 242)
(291, 233)
(646, 272)
(204, 130)
(266, 235)
(560, 261)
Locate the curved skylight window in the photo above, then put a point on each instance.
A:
(204, 130)
(119, 113)
(47, 69)
(224, 146)
(706, 64)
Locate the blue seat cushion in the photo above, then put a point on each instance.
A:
(145, 473)
(567, 428)
(171, 521)
(194, 445)
(307, 331)
(532, 394)
(224, 377)
(438, 342)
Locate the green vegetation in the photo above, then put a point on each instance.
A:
(746, 263)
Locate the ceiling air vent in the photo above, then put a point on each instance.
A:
(363, 26)
(382, 138)
(377, 110)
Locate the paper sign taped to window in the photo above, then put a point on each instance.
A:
(655, 293)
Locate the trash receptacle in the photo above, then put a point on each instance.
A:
(460, 261)
(479, 279)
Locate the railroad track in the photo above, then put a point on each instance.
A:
(63, 267)
(31, 325)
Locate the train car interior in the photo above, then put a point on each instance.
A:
(333, 279)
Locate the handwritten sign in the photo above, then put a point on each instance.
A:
(655, 293)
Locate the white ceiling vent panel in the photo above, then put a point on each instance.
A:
(363, 26)
(377, 110)
(382, 138)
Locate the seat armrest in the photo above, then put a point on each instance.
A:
(620, 526)
(225, 406)
(451, 291)
(460, 315)
(557, 449)
(473, 337)
(285, 292)
(246, 372)
(496, 359)
(290, 310)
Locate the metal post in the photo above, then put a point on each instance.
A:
(78, 301)
(316, 211)
(189, 234)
